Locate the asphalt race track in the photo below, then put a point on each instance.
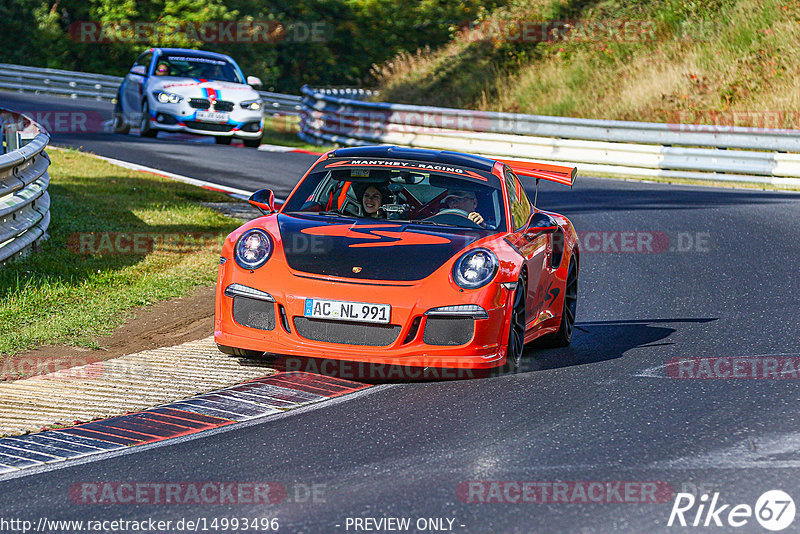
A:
(667, 272)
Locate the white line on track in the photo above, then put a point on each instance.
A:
(275, 148)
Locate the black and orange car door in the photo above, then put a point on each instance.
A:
(530, 243)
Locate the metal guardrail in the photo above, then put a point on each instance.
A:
(612, 147)
(58, 82)
(103, 87)
(24, 200)
(281, 103)
(353, 93)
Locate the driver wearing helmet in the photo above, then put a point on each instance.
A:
(465, 201)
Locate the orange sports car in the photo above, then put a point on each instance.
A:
(404, 257)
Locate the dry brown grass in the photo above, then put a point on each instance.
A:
(745, 59)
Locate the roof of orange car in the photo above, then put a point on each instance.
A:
(416, 154)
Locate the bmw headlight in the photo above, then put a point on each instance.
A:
(253, 249)
(167, 98)
(475, 269)
(252, 105)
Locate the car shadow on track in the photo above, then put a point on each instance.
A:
(599, 341)
(593, 342)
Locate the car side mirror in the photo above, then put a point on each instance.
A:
(253, 80)
(139, 69)
(264, 200)
(541, 223)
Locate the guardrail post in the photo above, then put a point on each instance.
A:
(10, 133)
(23, 138)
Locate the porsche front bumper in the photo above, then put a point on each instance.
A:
(414, 336)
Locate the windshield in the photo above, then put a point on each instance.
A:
(402, 195)
(204, 68)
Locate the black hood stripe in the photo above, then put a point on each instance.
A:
(366, 250)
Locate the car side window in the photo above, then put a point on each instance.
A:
(144, 60)
(517, 200)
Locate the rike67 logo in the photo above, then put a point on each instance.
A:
(774, 510)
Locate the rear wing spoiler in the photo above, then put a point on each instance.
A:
(542, 171)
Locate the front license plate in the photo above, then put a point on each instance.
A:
(348, 311)
(212, 116)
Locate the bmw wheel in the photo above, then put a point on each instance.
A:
(144, 127)
(119, 126)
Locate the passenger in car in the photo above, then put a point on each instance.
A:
(162, 69)
(371, 201)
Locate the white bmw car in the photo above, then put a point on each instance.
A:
(180, 90)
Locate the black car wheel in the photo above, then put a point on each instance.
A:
(119, 125)
(144, 126)
(516, 332)
(223, 139)
(563, 337)
(252, 143)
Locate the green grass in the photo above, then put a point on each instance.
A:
(282, 130)
(59, 296)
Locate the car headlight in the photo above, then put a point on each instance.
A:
(253, 249)
(167, 98)
(253, 105)
(475, 268)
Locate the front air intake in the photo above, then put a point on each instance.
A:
(254, 313)
(345, 333)
(448, 330)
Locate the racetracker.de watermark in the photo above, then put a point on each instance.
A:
(213, 31)
(103, 493)
(60, 121)
(564, 492)
(75, 368)
(642, 241)
(766, 367)
(583, 31)
(58, 368)
(531, 31)
(371, 371)
(125, 243)
(739, 121)
(377, 122)
(196, 492)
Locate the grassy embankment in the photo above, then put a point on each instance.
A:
(63, 295)
(714, 62)
(282, 130)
